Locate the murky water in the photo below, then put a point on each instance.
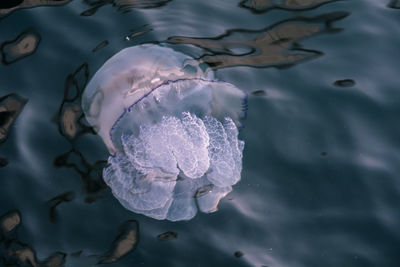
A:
(319, 185)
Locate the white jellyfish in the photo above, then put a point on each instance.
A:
(171, 131)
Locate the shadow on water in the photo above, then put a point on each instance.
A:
(262, 6)
(273, 46)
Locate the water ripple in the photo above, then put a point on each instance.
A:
(275, 45)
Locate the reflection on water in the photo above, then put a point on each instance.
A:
(70, 116)
(320, 183)
(261, 6)
(344, 83)
(394, 4)
(10, 107)
(25, 44)
(238, 254)
(57, 200)
(91, 174)
(167, 235)
(14, 252)
(72, 125)
(125, 242)
(8, 113)
(259, 93)
(8, 6)
(123, 6)
(100, 46)
(3, 162)
(94, 6)
(133, 33)
(8, 223)
(57, 259)
(126, 5)
(274, 45)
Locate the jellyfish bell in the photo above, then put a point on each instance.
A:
(127, 77)
(171, 130)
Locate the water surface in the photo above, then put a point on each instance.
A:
(319, 184)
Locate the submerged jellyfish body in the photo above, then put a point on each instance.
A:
(171, 131)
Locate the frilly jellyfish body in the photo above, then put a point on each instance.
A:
(171, 130)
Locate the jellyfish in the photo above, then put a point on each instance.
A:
(171, 130)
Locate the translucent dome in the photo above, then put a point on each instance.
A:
(171, 131)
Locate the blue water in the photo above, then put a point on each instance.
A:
(319, 185)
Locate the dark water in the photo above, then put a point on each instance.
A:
(319, 185)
